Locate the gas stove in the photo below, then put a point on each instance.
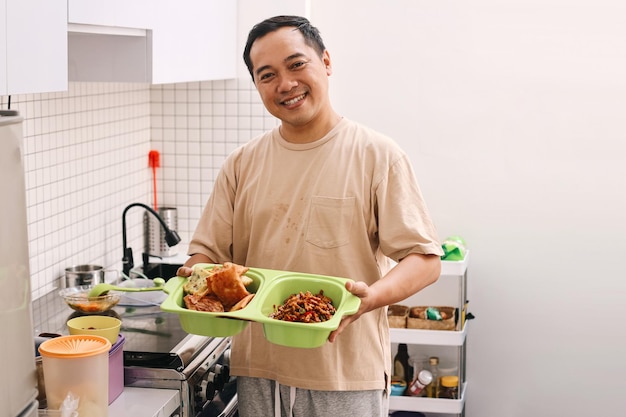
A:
(158, 353)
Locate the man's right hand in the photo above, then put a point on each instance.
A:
(187, 269)
(184, 271)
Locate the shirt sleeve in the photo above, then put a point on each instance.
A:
(213, 236)
(405, 225)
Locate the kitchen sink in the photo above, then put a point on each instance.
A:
(161, 270)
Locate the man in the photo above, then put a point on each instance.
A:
(318, 194)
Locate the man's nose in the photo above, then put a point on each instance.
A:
(286, 83)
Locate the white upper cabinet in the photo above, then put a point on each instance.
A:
(168, 42)
(195, 40)
(33, 46)
(113, 13)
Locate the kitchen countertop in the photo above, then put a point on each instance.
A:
(180, 257)
(50, 315)
(145, 402)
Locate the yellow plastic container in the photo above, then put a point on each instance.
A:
(77, 364)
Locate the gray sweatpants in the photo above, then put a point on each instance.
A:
(257, 398)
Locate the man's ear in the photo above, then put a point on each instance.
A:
(327, 62)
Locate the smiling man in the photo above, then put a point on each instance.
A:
(291, 76)
(318, 194)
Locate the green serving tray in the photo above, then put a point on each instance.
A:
(272, 288)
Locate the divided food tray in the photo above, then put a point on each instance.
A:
(272, 288)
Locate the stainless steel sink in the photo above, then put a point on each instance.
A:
(160, 270)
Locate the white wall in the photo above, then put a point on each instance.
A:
(513, 114)
(251, 12)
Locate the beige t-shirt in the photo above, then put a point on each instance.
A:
(331, 207)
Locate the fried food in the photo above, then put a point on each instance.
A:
(197, 283)
(242, 303)
(226, 284)
(206, 303)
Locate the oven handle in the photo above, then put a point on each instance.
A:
(231, 407)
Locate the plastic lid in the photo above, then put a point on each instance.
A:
(450, 381)
(75, 346)
(425, 377)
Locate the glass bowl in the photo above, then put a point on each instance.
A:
(76, 298)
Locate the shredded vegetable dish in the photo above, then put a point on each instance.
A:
(305, 308)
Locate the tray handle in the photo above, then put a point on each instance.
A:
(351, 304)
(173, 283)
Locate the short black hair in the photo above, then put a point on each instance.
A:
(311, 34)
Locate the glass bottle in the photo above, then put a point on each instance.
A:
(449, 387)
(401, 367)
(431, 389)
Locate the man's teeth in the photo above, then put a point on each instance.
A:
(294, 100)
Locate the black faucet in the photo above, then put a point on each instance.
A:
(171, 237)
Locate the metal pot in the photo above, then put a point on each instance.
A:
(79, 275)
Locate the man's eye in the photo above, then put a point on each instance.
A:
(298, 64)
(265, 76)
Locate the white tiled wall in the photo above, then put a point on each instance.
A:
(194, 127)
(86, 158)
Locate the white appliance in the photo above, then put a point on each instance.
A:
(18, 384)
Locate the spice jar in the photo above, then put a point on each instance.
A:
(448, 387)
(420, 382)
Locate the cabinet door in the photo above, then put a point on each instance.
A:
(194, 40)
(190, 40)
(36, 39)
(114, 13)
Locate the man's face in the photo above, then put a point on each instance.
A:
(291, 77)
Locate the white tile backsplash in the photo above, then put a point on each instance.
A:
(86, 159)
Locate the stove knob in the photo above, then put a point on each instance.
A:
(200, 391)
(214, 383)
(224, 372)
(210, 386)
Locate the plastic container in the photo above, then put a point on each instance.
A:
(398, 388)
(272, 287)
(77, 364)
(116, 369)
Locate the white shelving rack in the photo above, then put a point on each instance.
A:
(453, 278)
